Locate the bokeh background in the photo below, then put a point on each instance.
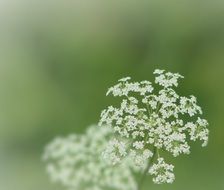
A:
(57, 59)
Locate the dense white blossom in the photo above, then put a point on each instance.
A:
(115, 151)
(75, 162)
(162, 172)
(150, 117)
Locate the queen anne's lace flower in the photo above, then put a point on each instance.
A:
(75, 161)
(162, 172)
(148, 118)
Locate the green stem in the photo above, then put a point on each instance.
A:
(141, 181)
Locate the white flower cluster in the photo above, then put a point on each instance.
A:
(116, 150)
(75, 161)
(162, 172)
(148, 118)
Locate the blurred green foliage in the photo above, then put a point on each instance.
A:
(57, 59)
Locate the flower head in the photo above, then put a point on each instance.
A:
(75, 162)
(162, 172)
(148, 118)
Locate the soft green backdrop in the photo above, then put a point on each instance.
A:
(57, 59)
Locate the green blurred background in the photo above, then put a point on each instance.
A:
(57, 59)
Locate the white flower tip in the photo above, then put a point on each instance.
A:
(158, 71)
(124, 79)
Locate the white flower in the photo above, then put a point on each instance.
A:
(147, 118)
(145, 88)
(138, 144)
(138, 158)
(114, 151)
(168, 79)
(75, 162)
(124, 87)
(189, 105)
(124, 79)
(158, 71)
(198, 130)
(162, 172)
